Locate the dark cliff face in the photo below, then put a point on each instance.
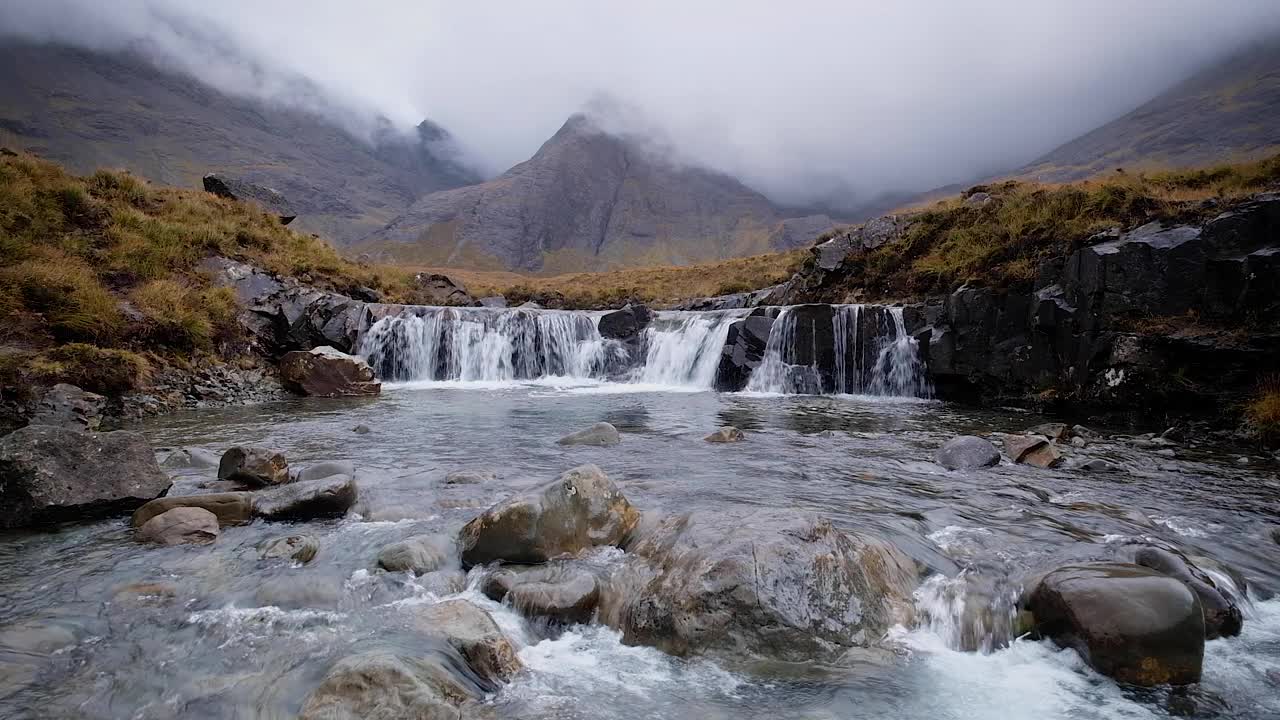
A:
(89, 110)
(589, 199)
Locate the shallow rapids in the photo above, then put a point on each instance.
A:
(223, 634)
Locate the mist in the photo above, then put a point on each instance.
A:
(808, 102)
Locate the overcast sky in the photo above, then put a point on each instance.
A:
(801, 99)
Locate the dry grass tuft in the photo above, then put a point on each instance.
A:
(1263, 412)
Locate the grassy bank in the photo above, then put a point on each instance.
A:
(100, 279)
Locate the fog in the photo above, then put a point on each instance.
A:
(806, 101)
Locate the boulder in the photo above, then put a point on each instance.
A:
(52, 474)
(181, 526)
(473, 633)
(602, 434)
(437, 289)
(1057, 432)
(326, 372)
(1127, 621)
(419, 554)
(558, 592)
(727, 434)
(231, 508)
(1032, 450)
(362, 429)
(325, 469)
(327, 497)
(245, 191)
(580, 510)
(626, 324)
(1043, 456)
(67, 406)
(743, 352)
(784, 586)
(967, 452)
(253, 466)
(384, 685)
(302, 548)
(1222, 616)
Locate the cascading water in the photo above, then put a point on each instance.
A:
(898, 371)
(683, 349)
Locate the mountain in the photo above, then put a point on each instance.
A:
(1225, 112)
(89, 109)
(591, 199)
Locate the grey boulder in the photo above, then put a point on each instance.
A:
(419, 554)
(326, 497)
(967, 452)
(602, 434)
(68, 406)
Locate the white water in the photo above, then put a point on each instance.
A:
(898, 370)
(684, 348)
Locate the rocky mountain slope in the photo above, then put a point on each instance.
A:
(588, 200)
(89, 110)
(1223, 112)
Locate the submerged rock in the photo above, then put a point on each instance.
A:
(780, 585)
(728, 434)
(559, 591)
(327, 372)
(383, 685)
(1222, 616)
(181, 526)
(67, 406)
(190, 458)
(254, 466)
(302, 548)
(325, 469)
(419, 555)
(580, 510)
(52, 474)
(967, 452)
(469, 477)
(601, 434)
(362, 429)
(473, 633)
(1127, 621)
(326, 497)
(231, 508)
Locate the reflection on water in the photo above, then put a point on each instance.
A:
(224, 634)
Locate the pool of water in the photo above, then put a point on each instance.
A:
(248, 639)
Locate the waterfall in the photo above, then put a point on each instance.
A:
(684, 348)
(779, 371)
(898, 370)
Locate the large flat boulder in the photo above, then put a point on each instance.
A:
(778, 585)
(231, 508)
(580, 510)
(52, 474)
(326, 372)
(1129, 622)
(307, 500)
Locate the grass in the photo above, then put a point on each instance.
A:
(1004, 242)
(110, 264)
(1263, 411)
(660, 286)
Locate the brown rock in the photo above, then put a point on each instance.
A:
(181, 526)
(728, 434)
(253, 466)
(231, 508)
(326, 372)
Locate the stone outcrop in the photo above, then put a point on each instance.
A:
(580, 510)
(743, 351)
(51, 474)
(327, 372)
(239, 189)
(1127, 621)
(779, 585)
(181, 526)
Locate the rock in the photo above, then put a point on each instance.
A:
(1042, 456)
(253, 466)
(469, 477)
(473, 633)
(967, 452)
(181, 526)
(1079, 442)
(1128, 622)
(143, 594)
(1057, 432)
(315, 590)
(302, 548)
(978, 199)
(601, 434)
(326, 372)
(626, 324)
(326, 469)
(25, 646)
(231, 508)
(243, 190)
(558, 592)
(51, 474)
(190, 458)
(1096, 465)
(727, 434)
(67, 406)
(327, 497)
(382, 685)
(437, 289)
(362, 429)
(1222, 616)
(784, 586)
(580, 510)
(743, 351)
(419, 555)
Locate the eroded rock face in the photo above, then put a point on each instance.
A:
(181, 526)
(326, 497)
(326, 372)
(1222, 616)
(254, 466)
(780, 585)
(602, 434)
(52, 474)
(68, 406)
(419, 555)
(1128, 622)
(967, 452)
(558, 592)
(580, 510)
(231, 508)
